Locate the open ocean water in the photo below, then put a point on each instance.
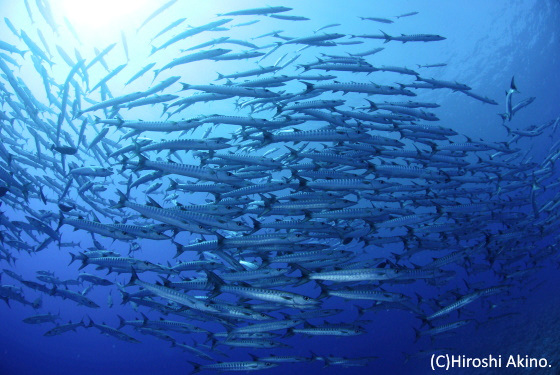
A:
(379, 189)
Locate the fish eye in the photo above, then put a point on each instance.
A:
(298, 235)
(229, 207)
(238, 224)
(229, 174)
(306, 298)
(263, 315)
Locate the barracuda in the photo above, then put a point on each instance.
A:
(202, 173)
(172, 295)
(269, 295)
(171, 217)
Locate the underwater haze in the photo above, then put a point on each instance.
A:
(298, 187)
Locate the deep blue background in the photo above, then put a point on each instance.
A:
(487, 43)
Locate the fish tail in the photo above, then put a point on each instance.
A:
(72, 258)
(512, 86)
(387, 36)
(256, 225)
(308, 87)
(417, 334)
(289, 333)
(122, 322)
(133, 277)
(122, 200)
(85, 260)
(372, 106)
(196, 367)
(216, 282)
(180, 249)
(172, 185)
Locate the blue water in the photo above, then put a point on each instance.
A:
(487, 43)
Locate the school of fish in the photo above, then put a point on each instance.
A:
(316, 192)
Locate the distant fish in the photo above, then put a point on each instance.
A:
(257, 11)
(169, 27)
(407, 14)
(156, 13)
(413, 38)
(432, 65)
(125, 45)
(382, 20)
(509, 101)
(288, 18)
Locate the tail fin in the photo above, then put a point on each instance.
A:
(85, 259)
(372, 106)
(133, 278)
(387, 36)
(125, 297)
(180, 249)
(172, 185)
(122, 200)
(308, 87)
(256, 225)
(196, 367)
(512, 86)
(215, 280)
(60, 221)
(122, 322)
(417, 334)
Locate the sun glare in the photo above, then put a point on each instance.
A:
(91, 15)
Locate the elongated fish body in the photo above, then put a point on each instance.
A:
(257, 11)
(10, 48)
(91, 171)
(38, 319)
(156, 13)
(173, 295)
(202, 55)
(167, 216)
(366, 274)
(327, 330)
(64, 328)
(269, 295)
(509, 100)
(140, 73)
(413, 38)
(203, 173)
(192, 31)
(254, 343)
(96, 227)
(268, 326)
(232, 90)
(188, 144)
(366, 88)
(249, 73)
(234, 366)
